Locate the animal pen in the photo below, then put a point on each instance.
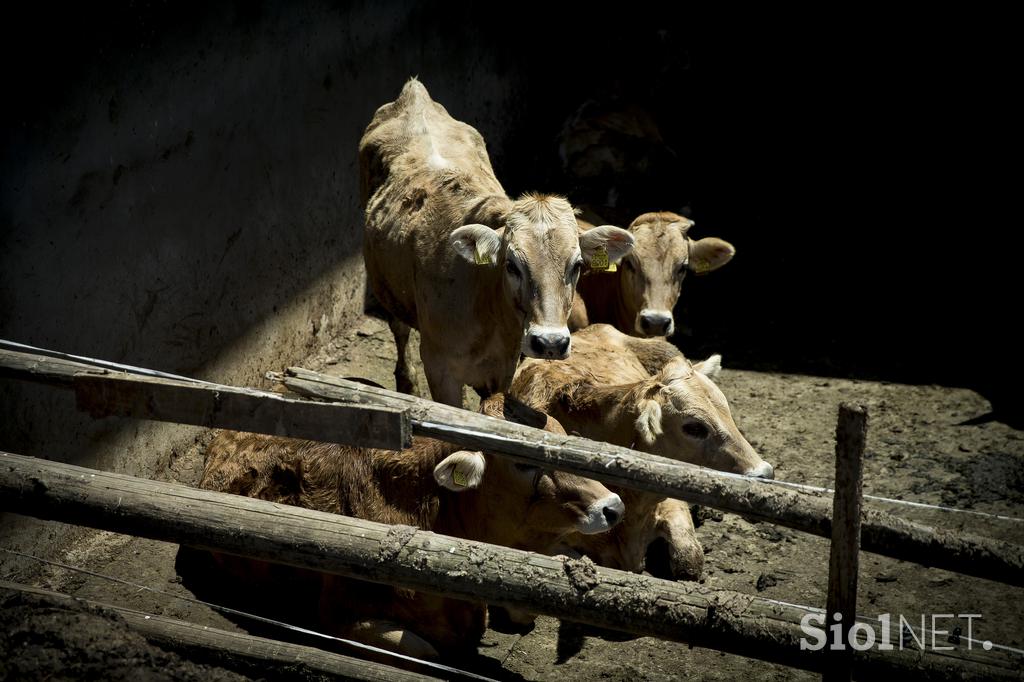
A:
(333, 409)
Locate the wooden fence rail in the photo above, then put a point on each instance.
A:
(265, 655)
(811, 512)
(570, 589)
(102, 393)
(370, 416)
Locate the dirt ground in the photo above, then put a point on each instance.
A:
(927, 444)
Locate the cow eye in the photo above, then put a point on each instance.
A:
(577, 267)
(682, 271)
(696, 430)
(512, 268)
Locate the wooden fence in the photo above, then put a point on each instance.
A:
(726, 621)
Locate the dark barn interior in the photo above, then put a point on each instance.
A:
(852, 178)
(180, 188)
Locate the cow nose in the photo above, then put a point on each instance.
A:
(550, 344)
(762, 470)
(655, 323)
(613, 510)
(601, 515)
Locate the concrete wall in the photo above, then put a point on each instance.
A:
(180, 192)
(178, 185)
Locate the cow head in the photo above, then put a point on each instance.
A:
(652, 275)
(682, 414)
(540, 253)
(532, 500)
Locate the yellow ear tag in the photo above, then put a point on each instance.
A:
(459, 478)
(599, 261)
(700, 266)
(483, 258)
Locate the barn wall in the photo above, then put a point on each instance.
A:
(180, 192)
(178, 183)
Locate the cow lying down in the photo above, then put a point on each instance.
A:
(432, 485)
(642, 394)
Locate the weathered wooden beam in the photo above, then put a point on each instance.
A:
(189, 639)
(811, 512)
(102, 393)
(570, 589)
(242, 409)
(851, 435)
(40, 369)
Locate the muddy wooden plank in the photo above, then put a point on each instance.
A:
(39, 368)
(242, 409)
(103, 393)
(571, 589)
(283, 658)
(811, 512)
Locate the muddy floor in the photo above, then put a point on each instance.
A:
(926, 444)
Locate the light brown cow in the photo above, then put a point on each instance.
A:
(639, 296)
(433, 486)
(484, 278)
(642, 394)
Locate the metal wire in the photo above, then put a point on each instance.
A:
(442, 428)
(105, 364)
(12, 345)
(261, 619)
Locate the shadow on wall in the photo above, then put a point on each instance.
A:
(180, 187)
(179, 183)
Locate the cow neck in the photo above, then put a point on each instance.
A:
(406, 479)
(491, 308)
(622, 317)
(465, 515)
(491, 210)
(599, 413)
(478, 515)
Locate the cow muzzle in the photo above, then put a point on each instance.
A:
(762, 470)
(655, 323)
(547, 343)
(602, 515)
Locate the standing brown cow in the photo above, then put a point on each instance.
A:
(484, 278)
(639, 296)
(431, 485)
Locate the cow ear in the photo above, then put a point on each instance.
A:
(710, 367)
(683, 224)
(478, 244)
(709, 254)
(462, 470)
(614, 240)
(648, 420)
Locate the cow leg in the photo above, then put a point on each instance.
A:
(393, 637)
(675, 526)
(444, 388)
(403, 380)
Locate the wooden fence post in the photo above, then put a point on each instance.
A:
(851, 433)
